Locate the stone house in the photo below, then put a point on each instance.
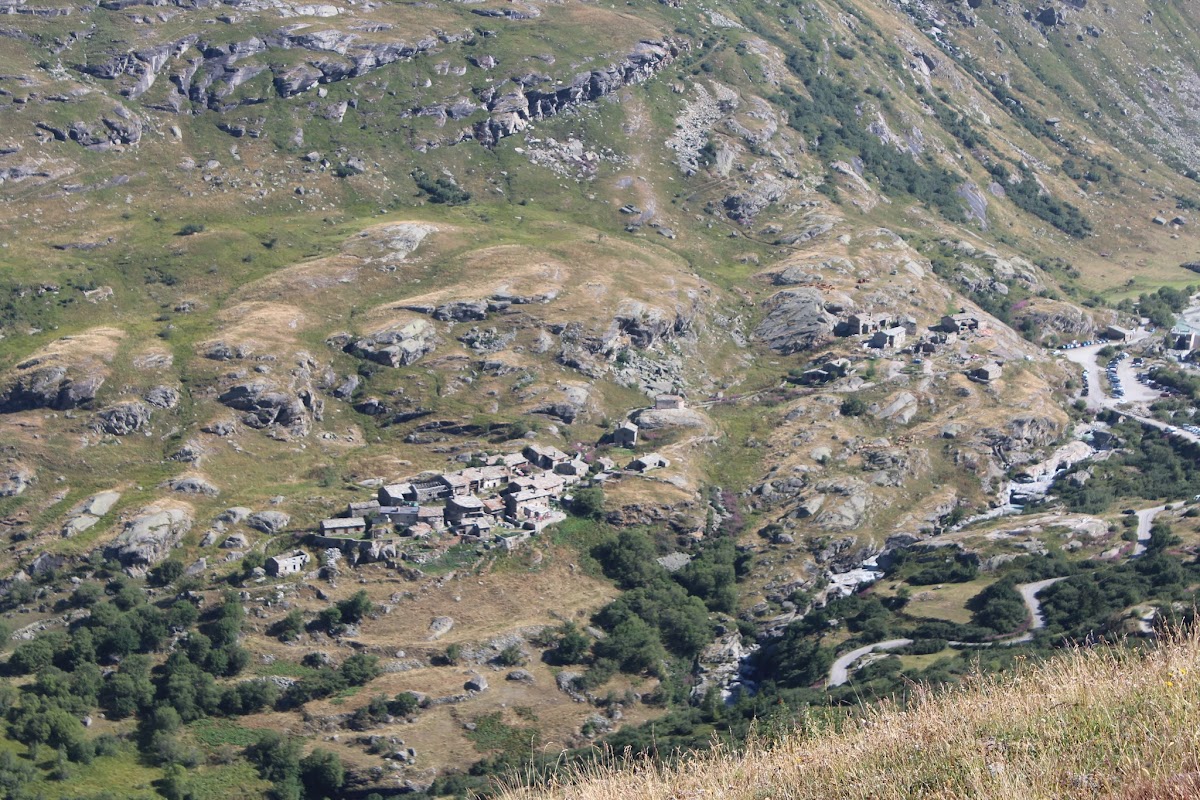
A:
(545, 456)
(344, 526)
(512, 461)
(427, 491)
(987, 373)
(396, 494)
(859, 324)
(456, 483)
(460, 510)
(366, 509)
(574, 470)
(528, 504)
(548, 482)
(668, 402)
(290, 564)
(957, 323)
(648, 462)
(626, 435)
(890, 339)
(433, 516)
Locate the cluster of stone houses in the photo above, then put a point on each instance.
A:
(506, 499)
(885, 331)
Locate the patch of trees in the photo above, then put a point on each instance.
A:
(999, 607)
(661, 614)
(1159, 307)
(107, 661)
(380, 709)
(344, 613)
(1183, 382)
(1153, 466)
(441, 190)
(326, 680)
(315, 776)
(1028, 195)
(928, 567)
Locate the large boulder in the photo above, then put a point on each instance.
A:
(796, 320)
(147, 538)
(657, 418)
(123, 419)
(270, 522)
(396, 346)
(193, 484)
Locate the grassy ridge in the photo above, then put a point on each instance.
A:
(1093, 723)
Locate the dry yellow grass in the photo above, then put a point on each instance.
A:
(1093, 723)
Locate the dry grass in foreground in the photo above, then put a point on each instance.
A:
(1094, 723)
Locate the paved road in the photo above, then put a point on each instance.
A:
(1145, 519)
(839, 673)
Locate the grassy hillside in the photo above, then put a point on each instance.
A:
(1118, 723)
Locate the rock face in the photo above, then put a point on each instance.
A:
(796, 320)
(396, 346)
(270, 522)
(123, 419)
(55, 387)
(148, 537)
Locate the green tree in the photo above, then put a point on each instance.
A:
(572, 646)
(588, 503)
(634, 646)
(321, 774)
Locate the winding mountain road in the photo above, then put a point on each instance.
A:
(839, 673)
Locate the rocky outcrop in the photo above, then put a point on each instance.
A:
(15, 479)
(57, 387)
(209, 73)
(85, 515)
(266, 404)
(123, 419)
(193, 484)
(397, 346)
(646, 324)
(513, 111)
(163, 397)
(149, 536)
(796, 320)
